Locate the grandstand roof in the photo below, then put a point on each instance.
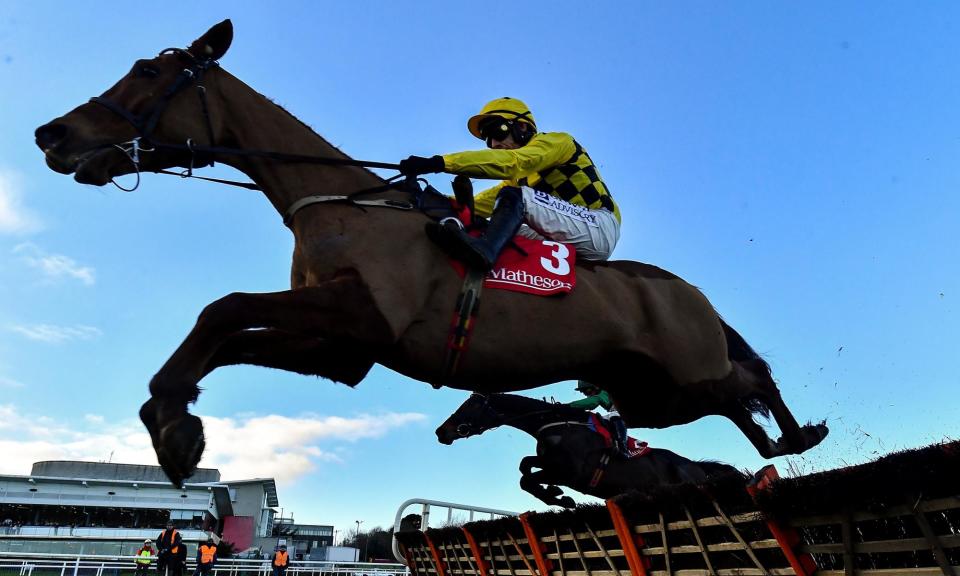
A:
(269, 486)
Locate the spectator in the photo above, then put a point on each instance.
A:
(206, 557)
(172, 553)
(144, 557)
(280, 561)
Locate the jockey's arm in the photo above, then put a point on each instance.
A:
(544, 151)
(590, 402)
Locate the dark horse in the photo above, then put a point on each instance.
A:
(570, 453)
(368, 287)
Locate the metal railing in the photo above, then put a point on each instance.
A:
(100, 532)
(425, 516)
(68, 565)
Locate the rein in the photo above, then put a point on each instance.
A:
(145, 124)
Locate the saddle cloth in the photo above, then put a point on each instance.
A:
(546, 269)
(634, 448)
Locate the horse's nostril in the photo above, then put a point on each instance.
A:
(49, 135)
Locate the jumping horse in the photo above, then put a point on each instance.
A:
(570, 453)
(367, 286)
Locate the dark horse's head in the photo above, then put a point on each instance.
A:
(475, 416)
(120, 131)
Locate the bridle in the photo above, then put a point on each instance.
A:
(465, 429)
(193, 75)
(146, 122)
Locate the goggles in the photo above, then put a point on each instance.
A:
(495, 129)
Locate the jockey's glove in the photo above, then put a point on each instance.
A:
(416, 165)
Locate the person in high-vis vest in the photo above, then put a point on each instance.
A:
(280, 561)
(206, 557)
(144, 558)
(550, 188)
(171, 553)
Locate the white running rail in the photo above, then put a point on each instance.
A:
(13, 564)
(425, 516)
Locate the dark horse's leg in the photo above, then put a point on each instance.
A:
(542, 484)
(338, 318)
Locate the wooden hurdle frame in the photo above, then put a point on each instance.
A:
(696, 534)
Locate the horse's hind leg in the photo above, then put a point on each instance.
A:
(795, 439)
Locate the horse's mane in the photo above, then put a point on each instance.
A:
(526, 404)
(301, 123)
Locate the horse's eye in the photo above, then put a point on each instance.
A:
(145, 71)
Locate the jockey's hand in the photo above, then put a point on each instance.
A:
(416, 165)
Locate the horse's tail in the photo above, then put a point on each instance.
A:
(739, 351)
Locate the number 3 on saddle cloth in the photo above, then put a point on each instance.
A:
(540, 267)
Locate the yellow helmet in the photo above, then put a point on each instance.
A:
(510, 109)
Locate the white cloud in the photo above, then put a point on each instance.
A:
(14, 218)
(9, 383)
(285, 447)
(54, 266)
(53, 334)
(272, 446)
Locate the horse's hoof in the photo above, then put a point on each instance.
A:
(813, 434)
(566, 502)
(148, 415)
(553, 491)
(179, 447)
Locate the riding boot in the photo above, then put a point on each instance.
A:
(482, 252)
(621, 434)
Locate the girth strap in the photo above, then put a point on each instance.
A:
(308, 200)
(601, 468)
(464, 318)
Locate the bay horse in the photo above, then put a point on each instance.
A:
(570, 453)
(367, 286)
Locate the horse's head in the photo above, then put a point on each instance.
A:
(161, 104)
(475, 416)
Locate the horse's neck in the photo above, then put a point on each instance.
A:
(251, 122)
(528, 414)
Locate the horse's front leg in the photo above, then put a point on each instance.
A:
(541, 484)
(338, 361)
(528, 463)
(341, 311)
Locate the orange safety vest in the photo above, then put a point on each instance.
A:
(173, 541)
(207, 553)
(281, 559)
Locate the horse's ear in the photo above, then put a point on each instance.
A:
(215, 43)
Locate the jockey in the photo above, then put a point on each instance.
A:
(549, 184)
(597, 398)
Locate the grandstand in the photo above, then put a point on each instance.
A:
(66, 507)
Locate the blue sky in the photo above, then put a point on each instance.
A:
(796, 161)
